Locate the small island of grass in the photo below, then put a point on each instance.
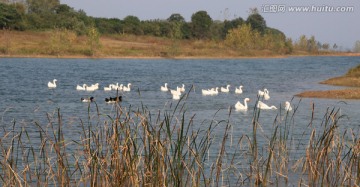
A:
(351, 79)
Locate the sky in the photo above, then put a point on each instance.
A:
(327, 20)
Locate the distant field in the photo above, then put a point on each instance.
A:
(67, 44)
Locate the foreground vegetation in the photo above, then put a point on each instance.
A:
(134, 148)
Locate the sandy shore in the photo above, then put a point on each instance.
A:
(353, 92)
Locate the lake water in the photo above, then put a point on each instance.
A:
(25, 97)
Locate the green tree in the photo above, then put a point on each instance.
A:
(186, 31)
(335, 46)
(312, 45)
(201, 24)
(256, 21)
(302, 43)
(176, 22)
(325, 46)
(42, 7)
(176, 18)
(131, 25)
(216, 30)
(11, 16)
(357, 47)
(108, 26)
(151, 28)
(228, 25)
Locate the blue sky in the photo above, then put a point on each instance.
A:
(326, 23)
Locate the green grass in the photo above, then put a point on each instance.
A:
(132, 147)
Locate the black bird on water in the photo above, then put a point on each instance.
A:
(87, 100)
(113, 99)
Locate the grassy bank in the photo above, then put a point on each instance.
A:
(135, 148)
(350, 79)
(66, 44)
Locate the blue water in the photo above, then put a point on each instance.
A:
(26, 99)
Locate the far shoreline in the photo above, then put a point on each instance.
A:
(182, 57)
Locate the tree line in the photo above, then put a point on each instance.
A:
(242, 34)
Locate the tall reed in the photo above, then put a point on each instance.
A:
(134, 147)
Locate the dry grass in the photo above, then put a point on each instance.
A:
(41, 44)
(332, 94)
(130, 148)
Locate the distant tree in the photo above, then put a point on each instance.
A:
(132, 25)
(201, 23)
(108, 26)
(335, 46)
(42, 7)
(11, 16)
(228, 25)
(357, 47)
(151, 27)
(256, 21)
(312, 45)
(176, 18)
(186, 31)
(325, 46)
(289, 46)
(302, 43)
(319, 45)
(216, 30)
(176, 23)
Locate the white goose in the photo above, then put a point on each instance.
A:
(226, 90)
(126, 88)
(206, 92)
(108, 88)
(239, 106)
(266, 96)
(90, 88)
(121, 87)
(114, 86)
(176, 95)
(175, 92)
(263, 106)
(182, 89)
(239, 90)
(262, 93)
(95, 86)
(288, 106)
(164, 88)
(52, 84)
(78, 87)
(215, 92)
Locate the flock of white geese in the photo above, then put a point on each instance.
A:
(176, 94)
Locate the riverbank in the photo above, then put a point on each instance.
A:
(52, 44)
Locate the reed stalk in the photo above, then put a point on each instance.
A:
(133, 147)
